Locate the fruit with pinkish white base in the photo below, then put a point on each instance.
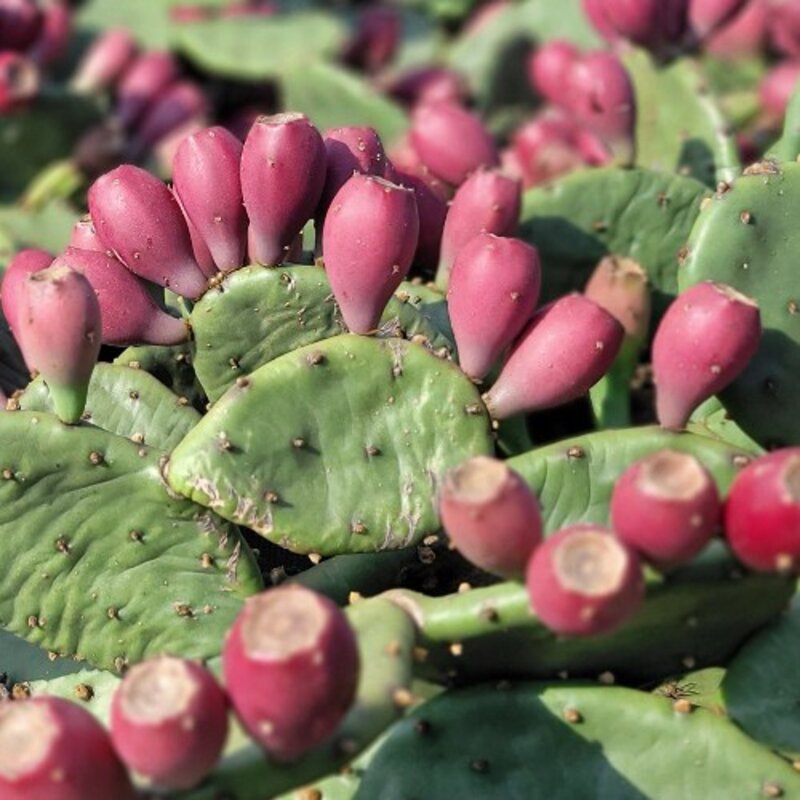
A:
(706, 338)
(205, 175)
(762, 513)
(52, 749)
(130, 316)
(548, 68)
(451, 141)
(666, 507)
(282, 174)
(104, 62)
(487, 202)
(169, 721)
(141, 83)
(494, 289)
(566, 349)
(19, 81)
(84, 236)
(491, 516)
(582, 581)
(291, 668)
(19, 268)
(137, 217)
(59, 334)
(368, 243)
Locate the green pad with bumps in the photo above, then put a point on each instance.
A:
(99, 562)
(749, 238)
(259, 313)
(335, 447)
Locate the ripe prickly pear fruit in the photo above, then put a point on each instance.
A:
(84, 235)
(104, 62)
(19, 81)
(59, 333)
(291, 667)
(494, 289)
(776, 89)
(19, 268)
(491, 516)
(653, 24)
(145, 79)
(666, 507)
(582, 581)
(52, 749)
(202, 255)
(169, 721)
(428, 84)
(54, 36)
(137, 217)
(595, 13)
(706, 17)
(568, 347)
(548, 68)
(205, 174)
(451, 141)
(20, 24)
(128, 312)
(762, 513)
(432, 213)
(375, 40)
(283, 173)
(368, 243)
(743, 36)
(621, 287)
(784, 27)
(705, 339)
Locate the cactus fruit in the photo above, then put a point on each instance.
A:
(283, 174)
(566, 349)
(549, 66)
(494, 289)
(583, 582)
(24, 263)
(20, 23)
(666, 507)
(142, 82)
(744, 35)
(291, 669)
(451, 141)
(105, 61)
(169, 721)
(762, 513)
(59, 334)
(488, 201)
(52, 749)
(428, 84)
(706, 338)
(54, 36)
(375, 40)
(432, 215)
(368, 243)
(84, 236)
(205, 176)
(706, 17)
(620, 286)
(137, 218)
(19, 81)
(776, 88)
(653, 24)
(490, 515)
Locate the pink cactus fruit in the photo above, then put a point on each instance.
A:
(744, 36)
(291, 667)
(129, 314)
(375, 40)
(568, 346)
(494, 289)
(487, 202)
(52, 749)
(666, 507)
(144, 80)
(84, 236)
(19, 81)
(784, 26)
(202, 255)
(776, 89)
(705, 339)
(706, 17)
(206, 177)
(169, 721)
(282, 175)
(53, 39)
(653, 24)
(762, 513)
(621, 287)
(137, 217)
(428, 84)
(20, 24)
(24, 263)
(432, 214)
(368, 243)
(59, 334)
(582, 581)
(451, 141)
(491, 516)
(548, 68)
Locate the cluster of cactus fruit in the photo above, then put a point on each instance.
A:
(337, 358)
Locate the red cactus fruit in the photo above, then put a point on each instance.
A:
(375, 40)
(282, 173)
(54, 35)
(776, 89)
(169, 721)
(428, 84)
(582, 581)
(762, 513)
(621, 287)
(653, 24)
(20, 24)
(19, 268)
(84, 236)
(451, 141)
(432, 213)
(137, 217)
(744, 36)
(52, 749)
(784, 26)
(143, 81)
(494, 289)
(548, 68)
(368, 242)
(291, 668)
(706, 17)
(19, 81)
(666, 507)
(566, 349)
(491, 515)
(705, 339)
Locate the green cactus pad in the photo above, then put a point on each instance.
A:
(99, 562)
(335, 447)
(127, 402)
(712, 419)
(260, 313)
(574, 478)
(638, 213)
(748, 237)
(564, 742)
(679, 127)
(22, 661)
